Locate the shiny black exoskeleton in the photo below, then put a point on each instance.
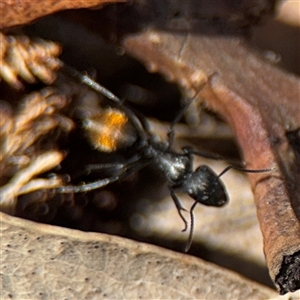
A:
(202, 184)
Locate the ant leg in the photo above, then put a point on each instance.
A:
(191, 151)
(179, 208)
(88, 186)
(190, 239)
(143, 121)
(127, 164)
(244, 170)
(102, 182)
(94, 167)
(91, 83)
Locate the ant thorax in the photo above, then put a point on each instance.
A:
(174, 166)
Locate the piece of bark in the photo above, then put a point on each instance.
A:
(39, 260)
(15, 12)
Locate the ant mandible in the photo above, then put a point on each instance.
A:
(203, 184)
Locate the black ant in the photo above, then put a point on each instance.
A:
(106, 132)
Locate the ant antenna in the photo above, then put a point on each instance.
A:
(171, 132)
(92, 84)
(190, 239)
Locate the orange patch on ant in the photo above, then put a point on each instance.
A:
(108, 130)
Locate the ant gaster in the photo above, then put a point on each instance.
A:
(203, 184)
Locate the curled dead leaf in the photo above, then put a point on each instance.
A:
(39, 260)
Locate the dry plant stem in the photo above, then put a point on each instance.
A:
(16, 12)
(21, 183)
(27, 59)
(260, 102)
(22, 155)
(37, 116)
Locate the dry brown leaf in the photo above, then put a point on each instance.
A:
(15, 12)
(47, 262)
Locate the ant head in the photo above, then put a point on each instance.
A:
(205, 187)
